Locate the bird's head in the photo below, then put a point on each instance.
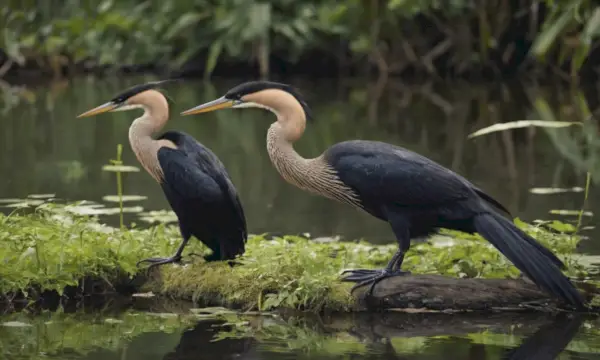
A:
(268, 95)
(132, 98)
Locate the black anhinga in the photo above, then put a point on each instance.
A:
(193, 179)
(415, 195)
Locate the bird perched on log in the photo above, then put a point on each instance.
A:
(414, 194)
(192, 178)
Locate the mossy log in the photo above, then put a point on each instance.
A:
(414, 293)
(444, 293)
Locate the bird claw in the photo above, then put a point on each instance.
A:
(159, 261)
(370, 276)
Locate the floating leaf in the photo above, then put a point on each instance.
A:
(546, 191)
(15, 324)
(41, 196)
(88, 210)
(571, 212)
(160, 216)
(212, 310)
(120, 168)
(24, 204)
(10, 201)
(522, 124)
(144, 295)
(115, 198)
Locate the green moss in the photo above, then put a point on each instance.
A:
(52, 249)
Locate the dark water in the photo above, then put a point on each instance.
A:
(172, 332)
(45, 149)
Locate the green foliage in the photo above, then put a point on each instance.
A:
(390, 32)
(52, 248)
(299, 273)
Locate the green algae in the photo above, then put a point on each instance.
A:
(54, 248)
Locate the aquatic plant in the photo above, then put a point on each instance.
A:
(59, 246)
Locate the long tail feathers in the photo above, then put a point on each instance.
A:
(535, 261)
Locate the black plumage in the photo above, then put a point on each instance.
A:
(193, 179)
(205, 200)
(417, 196)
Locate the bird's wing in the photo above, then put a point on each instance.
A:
(200, 185)
(381, 172)
(208, 160)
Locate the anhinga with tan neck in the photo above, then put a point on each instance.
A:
(193, 179)
(415, 195)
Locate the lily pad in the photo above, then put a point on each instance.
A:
(160, 216)
(144, 295)
(26, 203)
(41, 196)
(547, 191)
(571, 212)
(88, 210)
(11, 200)
(15, 324)
(115, 198)
(120, 168)
(212, 310)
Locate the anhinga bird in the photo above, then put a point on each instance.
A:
(415, 195)
(193, 179)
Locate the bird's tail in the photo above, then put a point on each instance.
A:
(530, 257)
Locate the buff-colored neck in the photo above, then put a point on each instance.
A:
(156, 115)
(313, 175)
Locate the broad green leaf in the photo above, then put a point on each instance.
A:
(521, 124)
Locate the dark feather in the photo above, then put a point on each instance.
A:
(134, 90)
(200, 192)
(255, 86)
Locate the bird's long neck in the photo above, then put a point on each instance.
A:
(313, 175)
(143, 144)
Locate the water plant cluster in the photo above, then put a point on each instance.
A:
(54, 248)
(428, 36)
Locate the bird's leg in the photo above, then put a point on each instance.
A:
(393, 268)
(173, 259)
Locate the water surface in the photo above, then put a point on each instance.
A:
(45, 149)
(174, 332)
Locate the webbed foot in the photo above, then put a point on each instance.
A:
(160, 261)
(370, 276)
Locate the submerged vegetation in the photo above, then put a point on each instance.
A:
(55, 249)
(392, 36)
(185, 333)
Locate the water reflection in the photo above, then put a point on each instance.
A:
(131, 335)
(45, 149)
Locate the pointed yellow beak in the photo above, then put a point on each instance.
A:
(220, 103)
(99, 109)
